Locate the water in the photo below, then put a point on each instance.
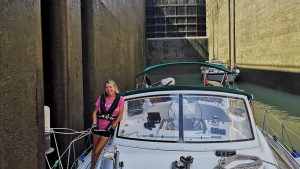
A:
(283, 107)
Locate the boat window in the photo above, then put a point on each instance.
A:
(151, 118)
(214, 119)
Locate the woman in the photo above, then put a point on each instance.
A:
(106, 116)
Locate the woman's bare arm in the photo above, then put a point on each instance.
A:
(121, 110)
(95, 115)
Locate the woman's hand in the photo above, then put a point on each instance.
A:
(93, 127)
(111, 129)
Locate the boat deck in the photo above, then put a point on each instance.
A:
(280, 161)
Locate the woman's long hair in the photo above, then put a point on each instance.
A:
(112, 83)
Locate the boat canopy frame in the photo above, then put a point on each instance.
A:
(186, 87)
(146, 80)
(158, 66)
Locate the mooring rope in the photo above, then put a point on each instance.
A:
(257, 162)
(81, 135)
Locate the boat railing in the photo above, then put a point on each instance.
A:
(285, 132)
(279, 137)
(73, 158)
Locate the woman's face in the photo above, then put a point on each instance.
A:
(110, 89)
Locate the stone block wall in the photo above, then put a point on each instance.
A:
(265, 34)
(268, 35)
(258, 36)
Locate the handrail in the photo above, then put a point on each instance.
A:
(282, 123)
(284, 129)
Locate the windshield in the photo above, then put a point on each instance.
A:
(149, 119)
(199, 118)
(214, 118)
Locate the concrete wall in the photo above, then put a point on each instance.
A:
(171, 50)
(264, 35)
(85, 43)
(113, 46)
(217, 30)
(269, 39)
(21, 85)
(62, 52)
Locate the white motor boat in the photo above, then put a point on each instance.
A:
(171, 126)
(218, 74)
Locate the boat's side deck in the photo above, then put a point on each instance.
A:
(281, 163)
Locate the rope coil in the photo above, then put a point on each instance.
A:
(257, 162)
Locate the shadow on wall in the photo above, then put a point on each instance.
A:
(180, 49)
(283, 81)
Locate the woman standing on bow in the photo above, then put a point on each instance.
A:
(107, 114)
